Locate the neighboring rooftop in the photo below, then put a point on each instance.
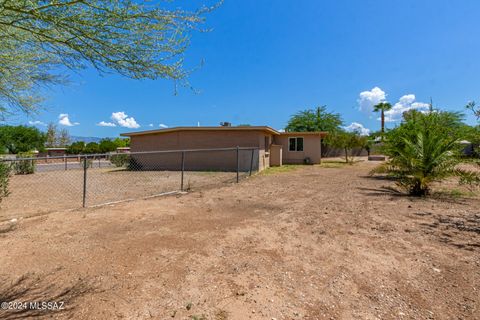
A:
(221, 128)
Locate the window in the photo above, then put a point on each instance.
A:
(295, 144)
(267, 143)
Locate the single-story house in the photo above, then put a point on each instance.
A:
(272, 148)
(53, 152)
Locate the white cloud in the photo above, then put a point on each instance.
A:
(161, 125)
(64, 120)
(37, 123)
(123, 120)
(150, 125)
(106, 124)
(368, 99)
(405, 103)
(358, 127)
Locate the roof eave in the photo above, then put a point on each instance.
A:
(176, 129)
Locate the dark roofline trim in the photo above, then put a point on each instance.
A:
(305, 133)
(177, 129)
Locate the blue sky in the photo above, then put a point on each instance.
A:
(266, 60)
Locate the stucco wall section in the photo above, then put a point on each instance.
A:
(276, 155)
(311, 149)
(209, 160)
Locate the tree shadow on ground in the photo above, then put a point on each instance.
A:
(35, 288)
(462, 232)
(383, 191)
(394, 192)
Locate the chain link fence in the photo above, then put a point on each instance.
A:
(41, 185)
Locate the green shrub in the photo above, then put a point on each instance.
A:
(5, 170)
(134, 164)
(76, 147)
(120, 160)
(424, 149)
(24, 166)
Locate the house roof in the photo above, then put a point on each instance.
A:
(219, 128)
(176, 129)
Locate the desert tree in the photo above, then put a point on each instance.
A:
(121, 143)
(51, 135)
(76, 147)
(318, 119)
(63, 139)
(92, 147)
(17, 139)
(347, 141)
(41, 39)
(107, 145)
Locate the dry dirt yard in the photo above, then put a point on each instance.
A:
(313, 243)
(48, 191)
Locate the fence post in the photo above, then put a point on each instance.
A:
(85, 166)
(65, 160)
(183, 168)
(251, 162)
(238, 163)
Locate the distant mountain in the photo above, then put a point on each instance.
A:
(85, 139)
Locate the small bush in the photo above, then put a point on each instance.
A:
(24, 166)
(120, 160)
(134, 164)
(5, 171)
(89, 162)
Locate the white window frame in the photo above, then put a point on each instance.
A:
(296, 144)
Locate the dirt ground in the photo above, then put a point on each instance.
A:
(312, 243)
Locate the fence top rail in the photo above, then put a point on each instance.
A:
(87, 156)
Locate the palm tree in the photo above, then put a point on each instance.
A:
(424, 149)
(382, 107)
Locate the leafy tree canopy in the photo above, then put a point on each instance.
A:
(135, 38)
(17, 139)
(318, 119)
(76, 147)
(347, 141)
(92, 147)
(107, 145)
(445, 122)
(122, 143)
